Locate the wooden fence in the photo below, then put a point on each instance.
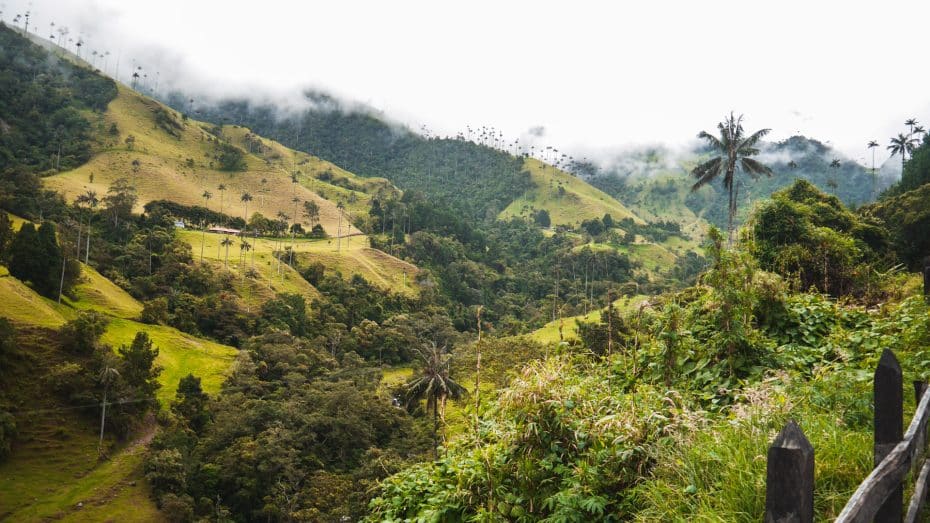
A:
(789, 495)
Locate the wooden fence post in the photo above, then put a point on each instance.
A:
(927, 278)
(888, 398)
(789, 482)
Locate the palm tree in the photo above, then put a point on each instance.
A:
(222, 188)
(902, 144)
(203, 232)
(226, 242)
(296, 202)
(246, 198)
(107, 376)
(734, 150)
(244, 248)
(792, 165)
(872, 145)
(90, 198)
(262, 191)
(339, 207)
(434, 384)
(910, 122)
(918, 130)
(282, 219)
(831, 181)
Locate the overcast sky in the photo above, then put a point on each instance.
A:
(593, 74)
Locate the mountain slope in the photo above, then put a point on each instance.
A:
(568, 199)
(171, 158)
(656, 184)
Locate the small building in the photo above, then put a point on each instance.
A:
(179, 224)
(224, 230)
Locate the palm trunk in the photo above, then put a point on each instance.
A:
(203, 239)
(103, 417)
(731, 210)
(80, 226)
(87, 254)
(61, 285)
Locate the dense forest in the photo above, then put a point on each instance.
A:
(44, 102)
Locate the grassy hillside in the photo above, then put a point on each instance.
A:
(55, 465)
(179, 353)
(353, 257)
(549, 333)
(173, 159)
(55, 458)
(568, 199)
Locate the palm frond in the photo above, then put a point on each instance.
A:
(754, 138)
(755, 168)
(706, 172)
(712, 140)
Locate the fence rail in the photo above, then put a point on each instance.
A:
(880, 497)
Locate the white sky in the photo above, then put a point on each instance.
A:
(596, 74)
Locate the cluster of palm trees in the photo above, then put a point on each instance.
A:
(904, 144)
(60, 35)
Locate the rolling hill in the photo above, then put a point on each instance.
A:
(174, 158)
(568, 199)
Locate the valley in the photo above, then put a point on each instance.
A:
(230, 308)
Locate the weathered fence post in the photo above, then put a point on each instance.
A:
(789, 482)
(927, 277)
(888, 398)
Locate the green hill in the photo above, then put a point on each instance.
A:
(567, 199)
(656, 185)
(173, 158)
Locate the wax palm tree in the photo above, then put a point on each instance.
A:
(902, 144)
(734, 150)
(339, 207)
(244, 248)
(262, 191)
(434, 384)
(831, 181)
(910, 123)
(203, 231)
(296, 201)
(918, 130)
(279, 245)
(226, 243)
(107, 376)
(873, 144)
(222, 188)
(246, 198)
(90, 198)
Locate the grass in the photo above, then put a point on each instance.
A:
(353, 257)
(579, 201)
(97, 293)
(113, 491)
(549, 333)
(179, 169)
(716, 471)
(55, 462)
(179, 354)
(20, 304)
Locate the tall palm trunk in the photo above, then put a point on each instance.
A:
(203, 239)
(732, 207)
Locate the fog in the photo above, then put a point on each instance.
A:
(591, 78)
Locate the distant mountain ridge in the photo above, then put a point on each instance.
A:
(655, 182)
